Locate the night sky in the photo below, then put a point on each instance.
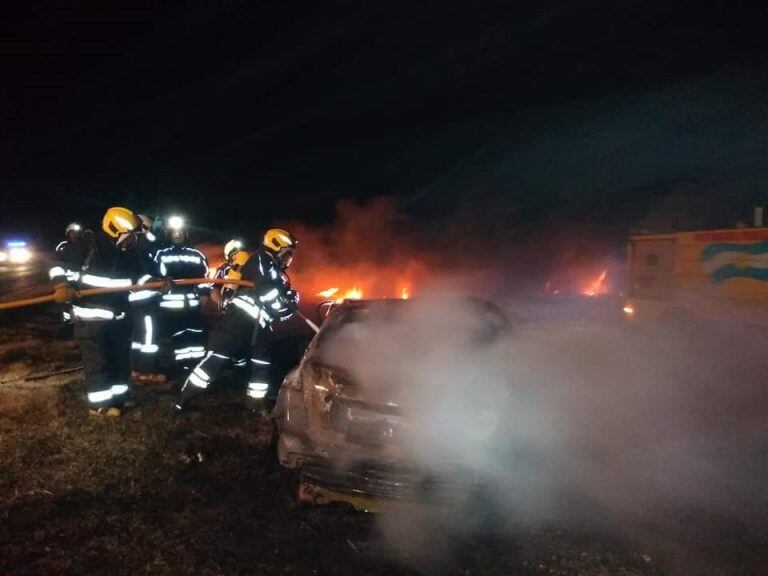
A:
(241, 113)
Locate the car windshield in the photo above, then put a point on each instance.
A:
(357, 322)
(353, 320)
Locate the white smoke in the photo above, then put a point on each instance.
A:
(574, 424)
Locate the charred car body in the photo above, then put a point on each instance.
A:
(347, 438)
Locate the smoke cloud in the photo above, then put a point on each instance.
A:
(657, 436)
(373, 247)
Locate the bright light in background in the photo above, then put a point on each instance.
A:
(629, 310)
(328, 293)
(17, 252)
(19, 255)
(176, 222)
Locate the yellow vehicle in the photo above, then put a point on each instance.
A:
(718, 275)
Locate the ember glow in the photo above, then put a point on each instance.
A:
(596, 286)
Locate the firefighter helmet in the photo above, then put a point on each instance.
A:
(281, 244)
(146, 221)
(119, 222)
(147, 224)
(73, 227)
(277, 240)
(231, 247)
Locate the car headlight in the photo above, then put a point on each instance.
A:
(328, 380)
(19, 255)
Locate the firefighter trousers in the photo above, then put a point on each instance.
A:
(105, 349)
(234, 339)
(166, 340)
(183, 338)
(145, 347)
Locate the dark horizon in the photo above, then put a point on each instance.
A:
(241, 114)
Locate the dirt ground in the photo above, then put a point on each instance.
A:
(152, 494)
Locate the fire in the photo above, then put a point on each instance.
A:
(596, 286)
(354, 293)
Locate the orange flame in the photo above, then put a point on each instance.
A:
(596, 286)
(354, 294)
(328, 293)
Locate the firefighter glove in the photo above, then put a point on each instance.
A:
(63, 293)
(166, 282)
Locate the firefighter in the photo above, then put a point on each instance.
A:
(102, 331)
(180, 321)
(144, 308)
(241, 332)
(231, 249)
(69, 258)
(147, 224)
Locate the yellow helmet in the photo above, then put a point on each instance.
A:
(277, 240)
(118, 222)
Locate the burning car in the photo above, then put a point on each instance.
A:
(351, 440)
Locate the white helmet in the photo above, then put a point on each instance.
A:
(231, 247)
(73, 227)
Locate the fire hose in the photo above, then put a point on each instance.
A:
(164, 285)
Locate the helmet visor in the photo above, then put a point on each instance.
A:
(285, 257)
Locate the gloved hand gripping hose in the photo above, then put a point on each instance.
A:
(66, 294)
(157, 285)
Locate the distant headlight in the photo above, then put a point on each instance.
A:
(19, 255)
(3, 256)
